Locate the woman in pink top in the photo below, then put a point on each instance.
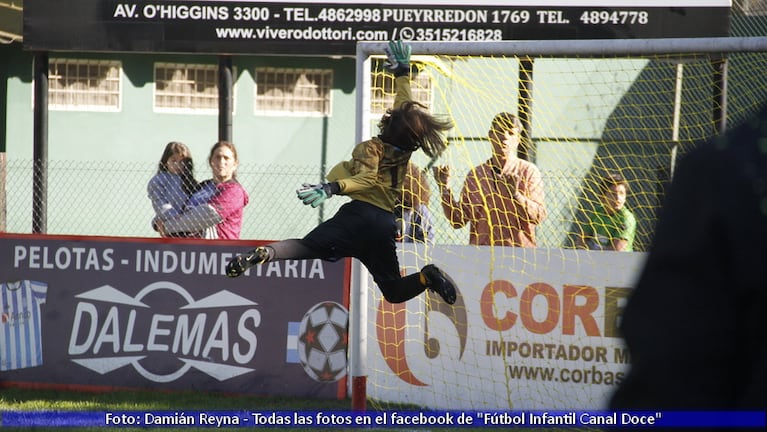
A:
(502, 199)
(217, 207)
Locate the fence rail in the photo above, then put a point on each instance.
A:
(109, 199)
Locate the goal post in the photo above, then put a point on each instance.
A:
(537, 327)
(582, 47)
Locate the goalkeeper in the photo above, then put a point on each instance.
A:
(365, 227)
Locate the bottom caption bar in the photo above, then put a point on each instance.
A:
(383, 419)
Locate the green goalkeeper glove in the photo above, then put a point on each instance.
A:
(316, 194)
(398, 58)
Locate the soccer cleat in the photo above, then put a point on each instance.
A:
(258, 255)
(440, 283)
(239, 264)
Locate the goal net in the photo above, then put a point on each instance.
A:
(536, 327)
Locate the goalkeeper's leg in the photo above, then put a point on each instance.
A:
(431, 277)
(282, 250)
(384, 267)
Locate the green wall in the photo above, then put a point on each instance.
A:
(136, 133)
(105, 159)
(99, 162)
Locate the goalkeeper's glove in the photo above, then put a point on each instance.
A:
(316, 194)
(398, 58)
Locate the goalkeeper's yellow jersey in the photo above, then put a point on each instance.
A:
(376, 170)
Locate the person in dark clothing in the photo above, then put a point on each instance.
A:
(365, 227)
(695, 324)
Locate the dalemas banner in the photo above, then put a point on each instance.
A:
(335, 27)
(157, 314)
(537, 330)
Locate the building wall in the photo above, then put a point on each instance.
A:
(99, 162)
(573, 134)
(136, 133)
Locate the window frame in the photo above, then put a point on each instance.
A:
(193, 83)
(382, 95)
(325, 91)
(56, 77)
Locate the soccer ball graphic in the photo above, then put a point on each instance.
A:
(322, 341)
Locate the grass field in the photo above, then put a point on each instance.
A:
(52, 400)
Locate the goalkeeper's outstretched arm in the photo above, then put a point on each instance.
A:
(398, 64)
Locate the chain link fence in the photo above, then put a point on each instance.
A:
(98, 198)
(110, 199)
(749, 18)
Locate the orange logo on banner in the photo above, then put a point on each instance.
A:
(391, 321)
(390, 330)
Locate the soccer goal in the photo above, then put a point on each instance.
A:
(536, 328)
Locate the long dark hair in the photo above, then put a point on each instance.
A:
(188, 182)
(172, 148)
(410, 126)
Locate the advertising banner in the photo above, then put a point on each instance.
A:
(537, 330)
(156, 314)
(334, 27)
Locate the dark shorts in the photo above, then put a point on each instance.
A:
(362, 231)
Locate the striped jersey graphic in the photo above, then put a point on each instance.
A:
(21, 342)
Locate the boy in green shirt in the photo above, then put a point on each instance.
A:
(611, 226)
